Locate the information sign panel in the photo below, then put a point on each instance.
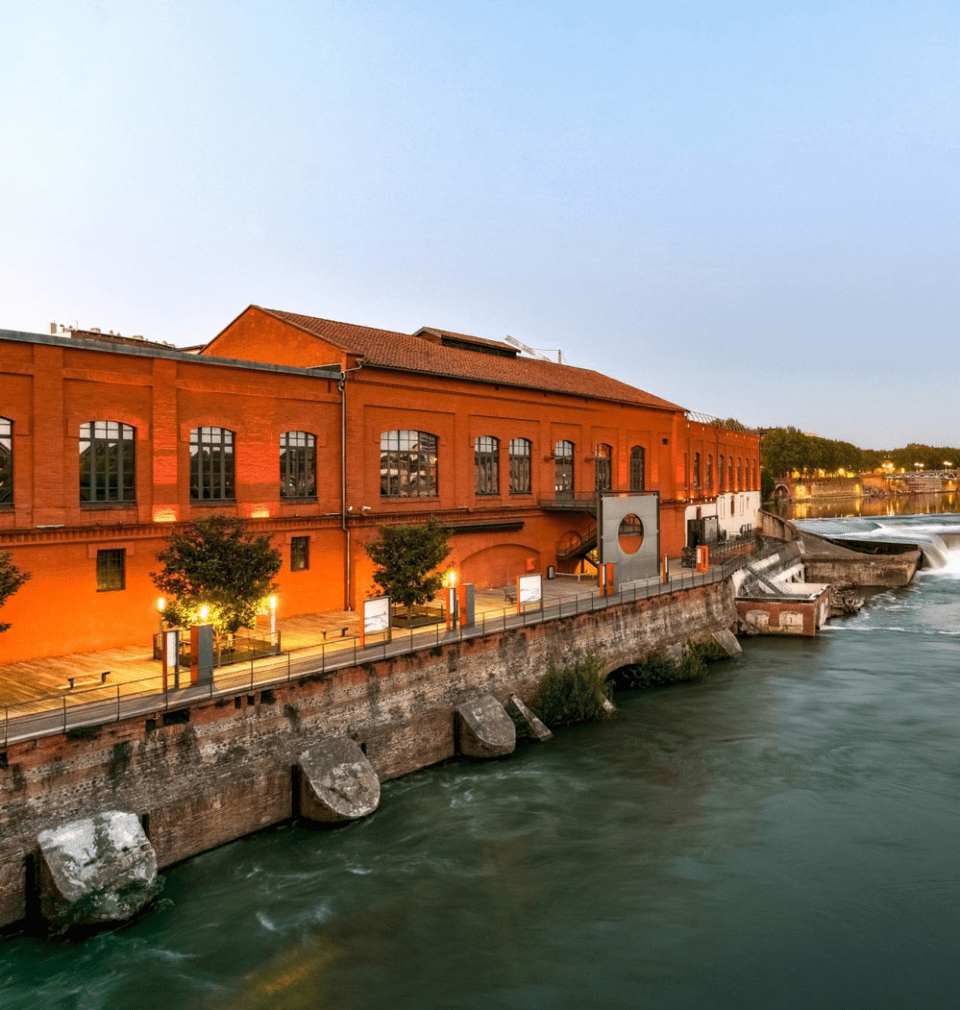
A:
(376, 615)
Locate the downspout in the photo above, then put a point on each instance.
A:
(342, 387)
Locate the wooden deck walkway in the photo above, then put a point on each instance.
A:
(133, 669)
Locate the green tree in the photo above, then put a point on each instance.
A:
(216, 563)
(408, 559)
(11, 579)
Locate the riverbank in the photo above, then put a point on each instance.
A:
(781, 833)
(218, 768)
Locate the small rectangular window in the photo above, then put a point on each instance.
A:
(299, 554)
(111, 570)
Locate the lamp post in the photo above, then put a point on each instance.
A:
(161, 603)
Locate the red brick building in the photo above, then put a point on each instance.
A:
(316, 432)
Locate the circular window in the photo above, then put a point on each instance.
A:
(630, 534)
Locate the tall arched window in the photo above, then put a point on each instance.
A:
(563, 454)
(520, 473)
(637, 468)
(709, 473)
(720, 474)
(408, 464)
(6, 461)
(604, 460)
(298, 465)
(739, 473)
(696, 472)
(107, 463)
(486, 457)
(211, 465)
(730, 485)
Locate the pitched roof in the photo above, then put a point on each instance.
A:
(416, 353)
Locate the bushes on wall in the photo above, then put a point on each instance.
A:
(659, 670)
(574, 693)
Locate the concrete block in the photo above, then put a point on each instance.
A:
(96, 870)
(727, 641)
(337, 782)
(484, 730)
(527, 719)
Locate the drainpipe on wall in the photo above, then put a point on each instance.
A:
(342, 387)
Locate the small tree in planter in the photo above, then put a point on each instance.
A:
(11, 579)
(408, 559)
(216, 563)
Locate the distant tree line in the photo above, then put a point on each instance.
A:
(784, 450)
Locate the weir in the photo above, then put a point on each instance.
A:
(223, 767)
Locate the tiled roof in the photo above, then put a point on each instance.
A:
(411, 353)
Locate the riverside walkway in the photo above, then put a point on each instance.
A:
(38, 697)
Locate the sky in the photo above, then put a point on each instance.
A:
(750, 209)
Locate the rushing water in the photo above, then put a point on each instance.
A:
(783, 834)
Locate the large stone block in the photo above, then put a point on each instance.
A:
(96, 870)
(727, 641)
(337, 782)
(484, 730)
(529, 722)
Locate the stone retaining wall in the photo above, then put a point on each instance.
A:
(217, 770)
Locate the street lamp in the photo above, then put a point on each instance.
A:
(204, 611)
(161, 603)
(273, 616)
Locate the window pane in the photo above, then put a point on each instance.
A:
(563, 453)
(107, 462)
(486, 452)
(211, 464)
(408, 464)
(299, 554)
(111, 570)
(6, 461)
(520, 474)
(298, 465)
(637, 462)
(604, 461)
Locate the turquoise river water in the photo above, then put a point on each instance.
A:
(785, 833)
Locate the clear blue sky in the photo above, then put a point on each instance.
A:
(748, 208)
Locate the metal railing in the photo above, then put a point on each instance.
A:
(227, 650)
(78, 711)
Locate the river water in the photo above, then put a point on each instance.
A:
(785, 833)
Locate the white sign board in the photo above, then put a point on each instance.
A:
(530, 589)
(376, 615)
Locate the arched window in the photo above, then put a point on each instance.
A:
(696, 472)
(637, 468)
(107, 463)
(739, 473)
(709, 473)
(563, 454)
(730, 485)
(211, 465)
(298, 465)
(604, 459)
(6, 461)
(520, 454)
(486, 457)
(408, 464)
(720, 474)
